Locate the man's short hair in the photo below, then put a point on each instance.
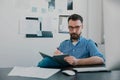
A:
(75, 17)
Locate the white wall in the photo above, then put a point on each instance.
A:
(95, 24)
(112, 31)
(95, 20)
(15, 49)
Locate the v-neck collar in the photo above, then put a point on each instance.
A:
(79, 40)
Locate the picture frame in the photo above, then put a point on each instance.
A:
(63, 24)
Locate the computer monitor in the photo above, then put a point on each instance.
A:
(112, 30)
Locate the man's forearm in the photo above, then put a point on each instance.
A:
(90, 61)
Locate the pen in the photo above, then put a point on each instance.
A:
(57, 48)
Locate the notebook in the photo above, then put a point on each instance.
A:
(57, 58)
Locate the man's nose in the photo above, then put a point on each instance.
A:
(74, 30)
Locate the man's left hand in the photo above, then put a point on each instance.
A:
(71, 60)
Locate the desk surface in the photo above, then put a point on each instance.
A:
(113, 75)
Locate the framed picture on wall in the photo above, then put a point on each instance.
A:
(63, 24)
(69, 4)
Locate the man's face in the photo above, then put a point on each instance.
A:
(75, 29)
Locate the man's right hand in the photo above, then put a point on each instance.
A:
(57, 52)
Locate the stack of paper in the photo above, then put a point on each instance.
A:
(35, 72)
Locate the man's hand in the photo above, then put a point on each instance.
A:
(71, 60)
(57, 52)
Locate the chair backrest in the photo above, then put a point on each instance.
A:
(96, 44)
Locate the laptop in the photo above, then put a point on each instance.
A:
(97, 68)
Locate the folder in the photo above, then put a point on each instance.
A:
(57, 58)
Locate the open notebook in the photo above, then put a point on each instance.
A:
(58, 58)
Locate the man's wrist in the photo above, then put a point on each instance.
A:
(76, 62)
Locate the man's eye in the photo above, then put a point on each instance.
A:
(77, 26)
(70, 27)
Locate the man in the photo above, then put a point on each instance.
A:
(82, 51)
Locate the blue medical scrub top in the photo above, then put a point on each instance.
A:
(84, 48)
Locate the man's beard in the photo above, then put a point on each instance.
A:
(74, 36)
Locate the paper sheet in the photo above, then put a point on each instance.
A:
(35, 72)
